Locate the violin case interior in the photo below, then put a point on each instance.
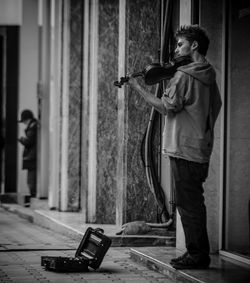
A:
(90, 253)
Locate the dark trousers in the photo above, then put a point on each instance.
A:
(31, 181)
(188, 179)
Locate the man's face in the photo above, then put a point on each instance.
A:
(183, 47)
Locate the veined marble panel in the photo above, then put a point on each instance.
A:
(75, 102)
(143, 20)
(107, 112)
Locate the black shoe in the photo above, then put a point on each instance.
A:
(174, 260)
(27, 204)
(189, 263)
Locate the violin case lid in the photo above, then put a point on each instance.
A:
(90, 253)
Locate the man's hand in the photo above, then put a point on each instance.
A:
(149, 97)
(21, 140)
(133, 82)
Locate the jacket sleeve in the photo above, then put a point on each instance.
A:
(173, 97)
(216, 103)
(30, 138)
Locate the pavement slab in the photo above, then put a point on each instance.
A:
(23, 243)
(71, 224)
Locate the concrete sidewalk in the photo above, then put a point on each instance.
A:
(150, 252)
(23, 243)
(71, 224)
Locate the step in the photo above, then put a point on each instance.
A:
(222, 269)
(71, 224)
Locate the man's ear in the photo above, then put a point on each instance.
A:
(194, 45)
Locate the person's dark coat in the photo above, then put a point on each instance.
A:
(30, 145)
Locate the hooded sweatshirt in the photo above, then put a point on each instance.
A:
(192, 103)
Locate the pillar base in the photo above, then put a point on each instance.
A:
(9, 198)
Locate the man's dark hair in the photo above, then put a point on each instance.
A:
(194, 33)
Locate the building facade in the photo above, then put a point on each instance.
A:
(60, 58)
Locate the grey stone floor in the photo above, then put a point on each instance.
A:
(23, 243)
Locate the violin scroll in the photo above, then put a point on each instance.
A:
(122, 81)
(125, 79)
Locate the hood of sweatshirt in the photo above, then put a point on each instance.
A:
(203, 72)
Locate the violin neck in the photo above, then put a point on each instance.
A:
(138, 74)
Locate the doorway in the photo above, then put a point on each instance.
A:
(236, 239)
(9, 44)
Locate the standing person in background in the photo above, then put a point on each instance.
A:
(29, 141)
(190, 103)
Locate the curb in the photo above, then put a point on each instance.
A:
(163, 268)
(43, 220)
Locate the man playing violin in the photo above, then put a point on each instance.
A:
(190, 104)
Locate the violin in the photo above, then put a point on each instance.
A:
(155, 72)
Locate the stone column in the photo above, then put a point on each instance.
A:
(74, 105)
(139, 41)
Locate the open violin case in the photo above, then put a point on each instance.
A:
(89, 253)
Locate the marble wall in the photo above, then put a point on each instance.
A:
(107, 112)
(143, 41)
(142, 46)
(75, 104)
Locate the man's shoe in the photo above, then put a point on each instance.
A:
(189, 263)
(174, 260)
